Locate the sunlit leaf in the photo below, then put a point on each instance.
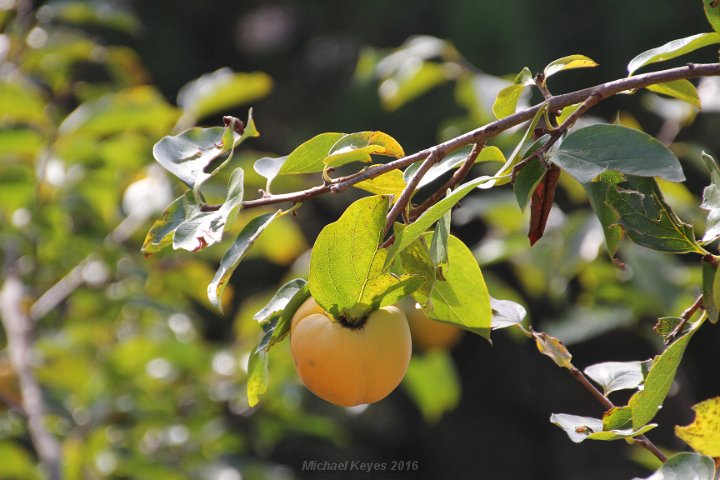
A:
(410, 233)
(309, 156)
(711, 201)
(140, 108)
(235, 254)
(348, 276)
(711, 290)
(276, 315)
(647, 402)
(203, 229)
(703, 434)
(506, 313)
(439, 243)
(389, 183)
(681, 89)
(462, 297)
(685, 466)
(114, 16)
(257, 380)
(507, 100)
(22, 104)
(587, 152)
(673, 49)
(198, 153)
(614, 376)
(221, 91)
(357, 147)
(412, 81)
(162, 231)
(583, 428)
(567, 63)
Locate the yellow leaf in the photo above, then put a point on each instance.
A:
(390, 183)
(703, 434)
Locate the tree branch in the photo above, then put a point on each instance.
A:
(492, 129)
(18, 328)
(407, 192)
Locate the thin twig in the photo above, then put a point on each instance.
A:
(18, 328)
(404, 198)
(456, 178)
(685, 317)
(492, 129)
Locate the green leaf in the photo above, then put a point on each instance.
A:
(203, 229)
(433, 383)
(598, 193)
(415, 259)
(711, 201)
(703, 434)
(412, 81)
(567, 63)
(347, 269)
(199, 153)
(115, 16)
(581, 428)
(647, 220)
(647, 402)
(527, 181)
(357, 147)
(280, 300)
(257, 380)
(309, 156)
(516, 156)
(221, 91)
(685, 466)
(410, 233)
(587, 152)
(462, 297)
(22, 104)
(614, 376)
(681, 89)
(672, 49)
(506, 313)
(711, 290)
(229, 262)
(276, 316)
(452, 161)
(389, 183)
(140, 108)
(439, 243)
(162, 232)
(712, 12)
(507, 100)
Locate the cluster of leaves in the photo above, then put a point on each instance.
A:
(114, 331)
(355, 268)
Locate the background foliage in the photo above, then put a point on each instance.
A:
(145, 380)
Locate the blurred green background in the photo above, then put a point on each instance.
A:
(144, 380)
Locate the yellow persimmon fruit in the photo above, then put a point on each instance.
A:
(428, 334)
(351, 365)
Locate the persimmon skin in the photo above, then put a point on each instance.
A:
(308, 307)
(351, 366)
(428, 334)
